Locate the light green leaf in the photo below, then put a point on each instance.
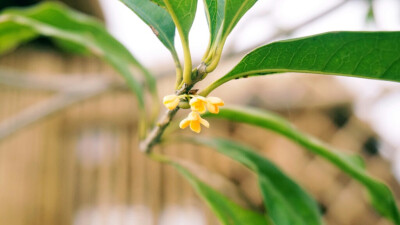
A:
(373, 55)
(73, 30)
(370, 17)
(227, 211)
(215, 15)
(381, 197)
(159, 21)
(159, 3)
(285, 201)
(234, 10)
(11, 35)
(183, 13)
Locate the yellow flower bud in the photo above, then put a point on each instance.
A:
(194, 120)
(171, 101)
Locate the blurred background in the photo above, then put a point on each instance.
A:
(68, 139)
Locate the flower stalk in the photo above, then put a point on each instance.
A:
(172, 103)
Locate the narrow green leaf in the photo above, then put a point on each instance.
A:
(70, 29)
(215, 15)
(381, 197)
(227, 211)
(285, 201)
(159, 21)
(234, 10)
(373, 55)
(370, 17)
(183, 13)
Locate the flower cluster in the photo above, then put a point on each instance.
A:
(198, 105)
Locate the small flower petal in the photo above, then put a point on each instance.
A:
(213, 103)
(212, 108)
(195, 126)
(204, 122)
(184, 123)
(198, 104)
(193, 116)
(169, 98)
(171, 101)
(195, 121)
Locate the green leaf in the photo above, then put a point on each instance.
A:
(370, 17)
(227, 211)
(381, 197)
(11, 35)
(234, 10)
(373, 55)
(285, 201)
(215, 15)
(183, 13)
(159, 21)
(159, 3)
(73, 30)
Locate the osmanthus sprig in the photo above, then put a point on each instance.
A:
(198, 105)
(373, 55)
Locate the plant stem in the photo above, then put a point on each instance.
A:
(155, 134)
(179, 76)
(187, 64)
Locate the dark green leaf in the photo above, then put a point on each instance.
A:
(227, 211)
(381, 196)
(286, 202)
(373, 55)
(70, 29)
(159, 21)
(215, 15)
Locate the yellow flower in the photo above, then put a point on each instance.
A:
(194, 120)
(198, 104)
(213, 103)
(171, 101)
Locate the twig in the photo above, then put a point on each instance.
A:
(55, 104)
(155, 134)
(54, 83)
